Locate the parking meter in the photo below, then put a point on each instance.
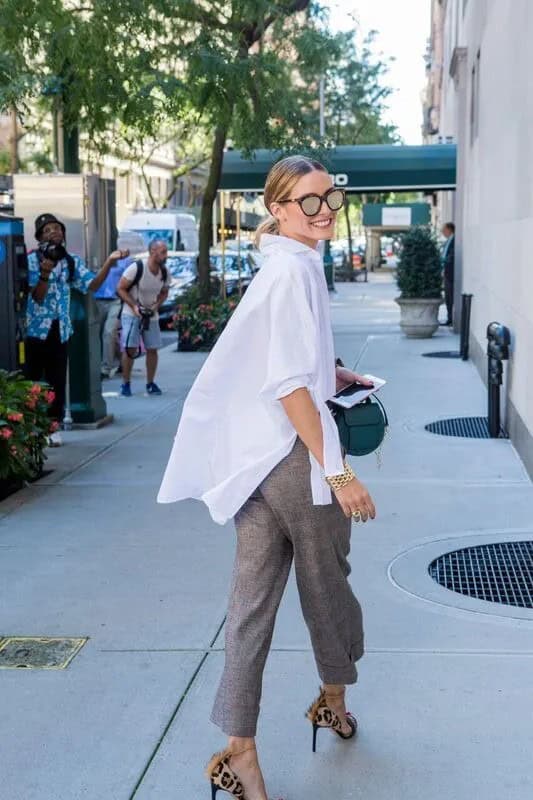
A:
(13, 292)
(498, 341)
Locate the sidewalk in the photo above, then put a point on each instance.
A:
(444, 700)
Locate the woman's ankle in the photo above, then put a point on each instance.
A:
(242, 746)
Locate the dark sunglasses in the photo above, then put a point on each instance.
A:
(312, 203)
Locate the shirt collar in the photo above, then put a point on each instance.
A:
(270, 242)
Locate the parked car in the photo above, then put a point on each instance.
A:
(231, 271)
(183, 271)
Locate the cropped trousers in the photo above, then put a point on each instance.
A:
(279, 525)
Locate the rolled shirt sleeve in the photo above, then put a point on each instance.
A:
(83, 277)
(291, 354)
(292, 363)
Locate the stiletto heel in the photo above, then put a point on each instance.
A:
(315, 731)
(322, 716)
(221, 776)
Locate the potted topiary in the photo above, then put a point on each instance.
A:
(419, 279)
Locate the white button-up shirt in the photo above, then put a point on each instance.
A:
(233, 430)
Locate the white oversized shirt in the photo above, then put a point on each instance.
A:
(233, 429)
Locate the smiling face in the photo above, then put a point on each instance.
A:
(292, 220)
(52, 232)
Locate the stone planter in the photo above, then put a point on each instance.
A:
(419, 316)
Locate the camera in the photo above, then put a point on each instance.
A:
(146, 315)
(52, 252)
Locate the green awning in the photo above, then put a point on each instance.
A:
(361, 168)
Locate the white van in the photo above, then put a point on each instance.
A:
(179, 230)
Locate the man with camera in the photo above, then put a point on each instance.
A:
(52, 273)
(143, 288)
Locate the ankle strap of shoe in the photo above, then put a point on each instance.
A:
(240, 752)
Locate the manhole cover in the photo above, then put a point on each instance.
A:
(467, 427)
(499, 573)
(443, 354)
(28, 652)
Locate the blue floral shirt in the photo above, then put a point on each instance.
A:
(56, 304)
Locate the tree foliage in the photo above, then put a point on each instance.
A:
(132, 73)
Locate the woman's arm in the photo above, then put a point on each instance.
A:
(305, 419)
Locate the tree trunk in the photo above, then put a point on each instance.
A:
(206, 218)
(349, 233)
(14, 143)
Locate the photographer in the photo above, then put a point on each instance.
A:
(52, 273)
(142, 288)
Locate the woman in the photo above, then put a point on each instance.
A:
(257, 442)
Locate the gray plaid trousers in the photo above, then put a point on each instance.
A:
(277, 525)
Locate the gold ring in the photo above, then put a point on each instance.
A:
(356, 515)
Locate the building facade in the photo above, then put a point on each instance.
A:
(479, 84)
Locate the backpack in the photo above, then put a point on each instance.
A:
(137, 279)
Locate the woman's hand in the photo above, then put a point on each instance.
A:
(355, 497)
(345, 377)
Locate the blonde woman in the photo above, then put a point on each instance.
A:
(257, 442)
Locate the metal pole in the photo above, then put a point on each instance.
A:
(238, 213)
(223, 245)
(465, 326)
(322, 104)
(67, 416)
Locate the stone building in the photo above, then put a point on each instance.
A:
(480, 95)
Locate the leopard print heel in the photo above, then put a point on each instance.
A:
(322, 716)
(221, 776)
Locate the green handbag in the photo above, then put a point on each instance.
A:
(362, 428)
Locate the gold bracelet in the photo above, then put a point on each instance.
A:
(338, 481)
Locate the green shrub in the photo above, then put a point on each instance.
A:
(24, 426)
(419, 271)
(200, 324)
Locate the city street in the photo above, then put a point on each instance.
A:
(444, 699)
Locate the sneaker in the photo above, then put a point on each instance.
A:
(153, 388)
(125, 390)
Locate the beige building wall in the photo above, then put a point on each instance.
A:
(487, 105)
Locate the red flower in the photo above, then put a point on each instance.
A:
(54, 426)
(31, 402)
(15, 416)
(6, 433)
(50, 397)
(35, 389)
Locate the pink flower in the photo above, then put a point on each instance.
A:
(6, 433)
(35, 389)
(15, 416)
(50, 397)
(54, 426)
(14, 450)
(31, 402)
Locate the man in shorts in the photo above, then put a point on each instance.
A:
(142, 289)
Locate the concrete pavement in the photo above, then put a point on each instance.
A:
(444, 699)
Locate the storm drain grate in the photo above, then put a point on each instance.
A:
(443, 354)
(38, 652)
(467, 427)
(499, 573)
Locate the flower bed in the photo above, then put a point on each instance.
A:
(24, 428)
(200, 324)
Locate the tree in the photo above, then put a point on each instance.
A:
(356, 95)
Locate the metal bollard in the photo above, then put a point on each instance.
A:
(465, 326)
(499, 339)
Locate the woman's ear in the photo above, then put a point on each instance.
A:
(276, 210)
